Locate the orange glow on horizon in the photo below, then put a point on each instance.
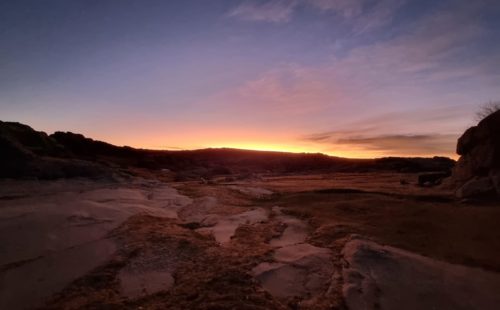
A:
(247, 140)
(272, 147)
(345, 153)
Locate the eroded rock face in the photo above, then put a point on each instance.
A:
(478, 169)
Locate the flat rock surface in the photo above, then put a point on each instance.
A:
(52, 233)
(224, 227)
(299, 269)
(295, 230)
(384, 277)
(257, 192)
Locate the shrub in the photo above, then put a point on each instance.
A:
(487, 109)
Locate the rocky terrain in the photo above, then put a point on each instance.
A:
(88, 225)
(306, 242)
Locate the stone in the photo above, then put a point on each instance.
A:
(478, 187)
(432, 178)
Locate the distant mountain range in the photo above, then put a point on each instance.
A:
(27, 153)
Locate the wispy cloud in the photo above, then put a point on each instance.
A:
(387, 144)
(287, 91)
(380, 15)
(276, 11)
(377, 134)
(403, 144)
(347, 8)
(363, 15)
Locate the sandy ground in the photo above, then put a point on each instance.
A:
(345, 241)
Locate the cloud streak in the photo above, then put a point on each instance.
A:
(376, 135)
(388, 144)
(347, 8)
(416, 144)
(362, 14)
(275, 11)
(288, 91)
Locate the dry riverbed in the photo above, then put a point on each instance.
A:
(292, 242)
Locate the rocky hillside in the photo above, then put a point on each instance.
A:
(478, 169)
(26, 153)
(19, 141)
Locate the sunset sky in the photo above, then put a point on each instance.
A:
(356, 78)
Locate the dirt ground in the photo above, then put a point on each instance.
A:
(273, 242)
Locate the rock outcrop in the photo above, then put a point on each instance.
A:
(27, 153)
(21, 141)
(477, 172)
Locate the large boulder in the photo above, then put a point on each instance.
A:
(477, 172)
(476, 187)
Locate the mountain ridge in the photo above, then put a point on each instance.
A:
(29, 153)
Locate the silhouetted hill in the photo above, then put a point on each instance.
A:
(81, 146)
(28, 153)
(25, 152)
(21, 141)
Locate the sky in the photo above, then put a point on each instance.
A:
(353, 78)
